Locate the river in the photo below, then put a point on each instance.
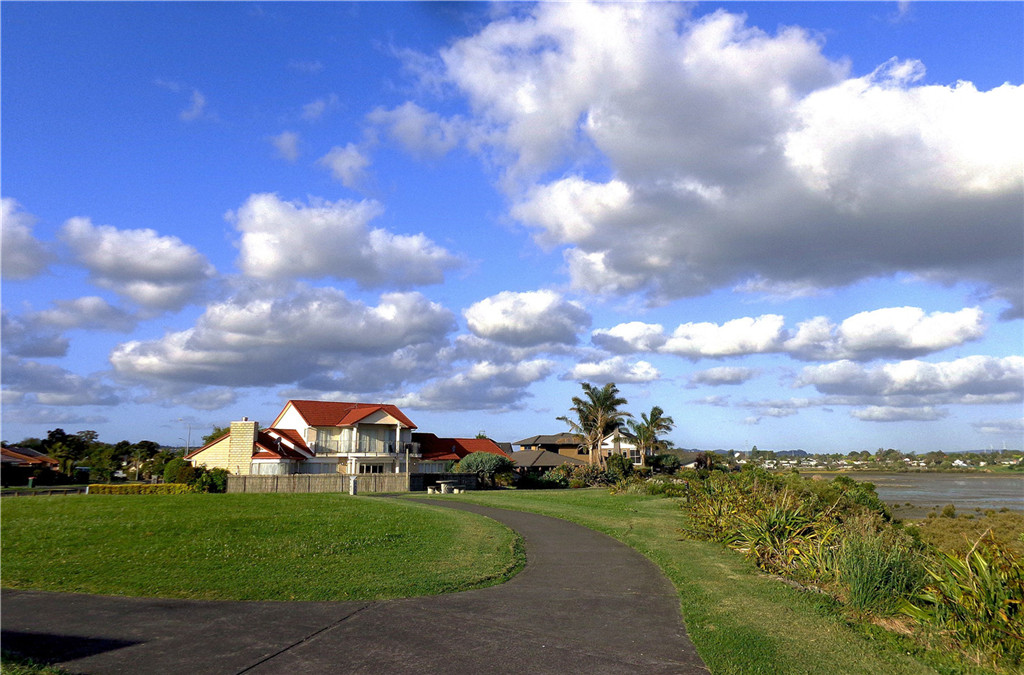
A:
(968, 491)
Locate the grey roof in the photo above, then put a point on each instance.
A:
(542, 459)
(564, 438)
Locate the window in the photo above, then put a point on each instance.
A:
(371, 468)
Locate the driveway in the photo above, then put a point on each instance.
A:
(584, 603)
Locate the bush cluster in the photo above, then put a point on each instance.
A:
(141, 489)
(841, 537)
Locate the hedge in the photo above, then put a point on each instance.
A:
(141, 489)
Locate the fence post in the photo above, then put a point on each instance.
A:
(352, 489)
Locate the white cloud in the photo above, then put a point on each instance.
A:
(196, 108)
(724, 375)
(482, 386)
(972, 379)
(631, 336)
(23, 255)
(893, 332)
(282, 240)
(287, 145)
(23, 336)
(161, 273)
(346, 164)
(1011, 427)
(90, 313)
(763, 334)
(421, 132)
(258, 339)
(33, 383)
(314, 110)
(735, 157)
(527, 319)
(892, 414)
(616, 369)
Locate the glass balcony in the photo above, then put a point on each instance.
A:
(364, 446)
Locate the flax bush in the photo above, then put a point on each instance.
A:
(977, 600)
(878, 567)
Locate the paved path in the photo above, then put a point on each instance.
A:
(584, 603)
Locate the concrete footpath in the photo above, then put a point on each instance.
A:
(584, 603)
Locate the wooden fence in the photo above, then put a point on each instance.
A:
(336, 482)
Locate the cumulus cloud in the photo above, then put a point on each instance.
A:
(347, 164)
(1013, 427)
(740, 336)
(527, 319)
(23, 255)
(732, 157)
(421, 132)
(287, 240)
(973, 379)
(616, 369)
(256, 340)
(21, 336)
(724, 375)
(30, 382)
(90, 313)
(287, 145)
(894, 332)
(481, 386)
(160, 273)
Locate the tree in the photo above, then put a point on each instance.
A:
(215, 434)
(594, 416)
(646, 431)
(142, 451)
(66, 449)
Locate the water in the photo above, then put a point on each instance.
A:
(967, 491)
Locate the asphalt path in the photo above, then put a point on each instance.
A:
(584, 603)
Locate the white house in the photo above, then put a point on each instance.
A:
(316, 437)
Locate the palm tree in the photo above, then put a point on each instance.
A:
(646, 431)
(595, 415)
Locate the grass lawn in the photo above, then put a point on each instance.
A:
(740, 620)
(250, 547)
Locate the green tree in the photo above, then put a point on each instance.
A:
(66, 448)
(646, 431)
(215, 434)
(594, 416)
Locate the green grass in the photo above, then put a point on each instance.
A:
(250, 547)
(740, 620)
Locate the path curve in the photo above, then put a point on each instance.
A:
(584, 603)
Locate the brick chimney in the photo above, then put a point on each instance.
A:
(241, 444)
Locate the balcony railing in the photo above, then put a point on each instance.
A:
(367, 446)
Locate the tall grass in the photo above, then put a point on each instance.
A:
(878, 569)
(977, 600)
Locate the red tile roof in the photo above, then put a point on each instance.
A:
(341, 414)
(434, 449)
(271, 444)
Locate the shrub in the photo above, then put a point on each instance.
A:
(878, 569)
(978, 600)
(948, 511)
(619, 467)
(666, 463)
(210, 480)
(141, 489)
(484, 462)
(172, 468)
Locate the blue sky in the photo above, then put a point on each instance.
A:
(795, 225)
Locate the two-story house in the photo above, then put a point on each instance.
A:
(316, 437)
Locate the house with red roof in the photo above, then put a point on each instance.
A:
(436, 453)
(316, 437)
